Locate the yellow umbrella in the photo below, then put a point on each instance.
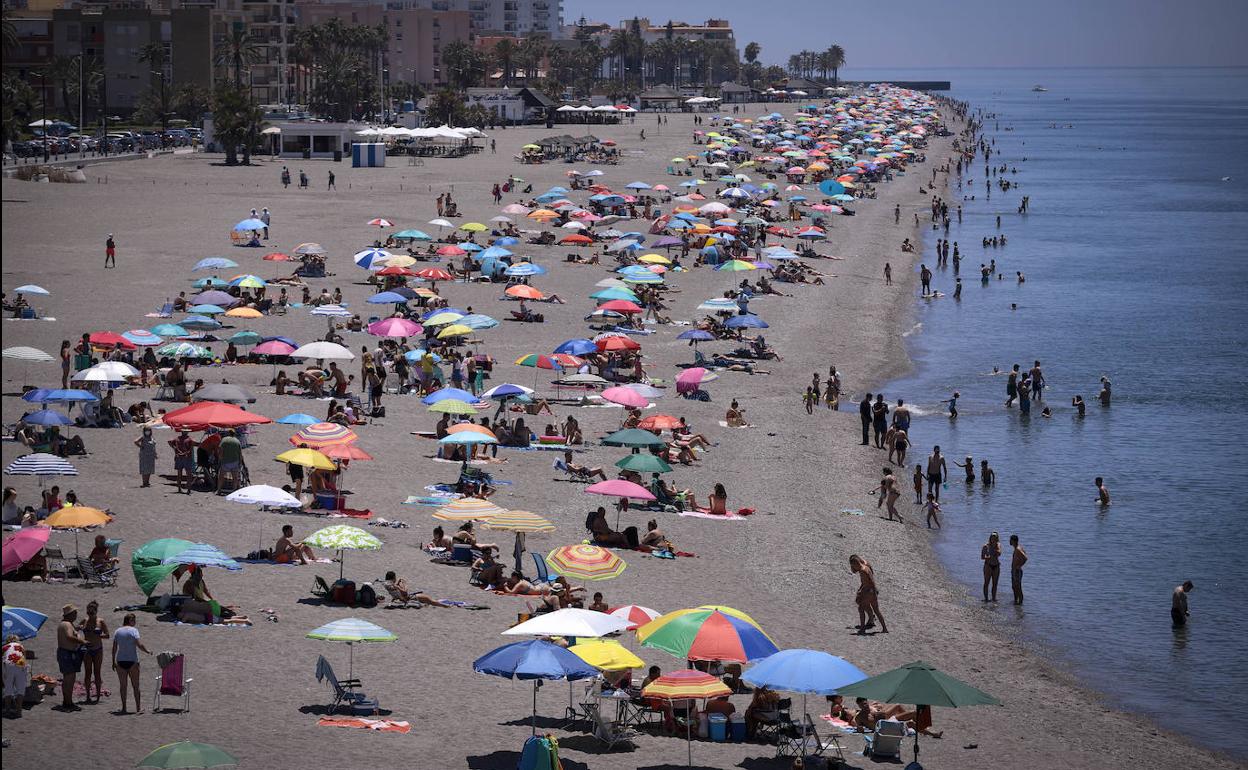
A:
(472, 227)
(606, 655)
(77, 517)
(467, 509)
(654, 259)
(445, 317)
(453, 406)
(308, 458)
(531, 147)
(543, 214)
(244, 312)
(455, 330)
(519, 521)
(399, 260)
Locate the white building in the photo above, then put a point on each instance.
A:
(520, 18)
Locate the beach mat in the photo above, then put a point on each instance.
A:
(360, 723)
(706, 515)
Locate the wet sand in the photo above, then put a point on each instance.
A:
(255, 693)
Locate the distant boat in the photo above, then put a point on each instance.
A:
(1039, 88)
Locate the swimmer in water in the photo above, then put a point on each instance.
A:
(1102, 492)
(1105, 394)
(953, 405)
(1080, 407)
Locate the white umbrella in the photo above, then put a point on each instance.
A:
(440, 223)
(117, 367)
(23, 353)
(263, 494)
(570, 621)
(326, 350)
(31, 288)
(95, 374)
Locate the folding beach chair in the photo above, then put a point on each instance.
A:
(609, 732)
(165, 311)
(803, 741)
(544, 575)
(571, 475)
(57, 565)
(885, 741)
(173, 681)
(93, 575)
(772, 725)
(345, 691)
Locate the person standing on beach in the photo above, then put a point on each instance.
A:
(110, 252)
(1016, 569)
(331, 181)
(69, 655)
(918, 484)
(897, 214)
(1037, 383)
(933, 511)
(901, 415)
(809, 398)
(1102, 492)
(285, 177)
(868, 596)
(889, 494)
(1178, 604)
(925, 278)
(990, 554)
(303, 179)
(879, 420)
(937, 469)
(864, 414)
(266, 217)
(888, 274)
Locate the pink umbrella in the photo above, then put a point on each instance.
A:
(689, 380)
(21, 547)
(625, 397)
(395, 327)
(619, 488)
(273, 348)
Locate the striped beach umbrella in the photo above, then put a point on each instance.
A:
(468, 509)
(22, 622)
(635, 614)
(686, 685)
(40, 464)
(183, 350)
(342, 538)
(369, 258)
(203, 555)
(352, 631)
(539, 361)
(24, 353)
(588, 562)
(143, 338)
(380, 222)
(324, 434)
(519, 521)
(706, 633)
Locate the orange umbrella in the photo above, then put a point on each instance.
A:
(324, 434)
(659, 422)
(578, 239)
(468, 427)
(523, 292)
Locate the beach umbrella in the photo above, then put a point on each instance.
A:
(443, 394)
(324, 434)
(342, 538)
(24, 353)
(922, 684)
(323, 350)
(613, 292)
(307, 458)
(633, 437)
(202, 555)
(277, 256)
(185, 754)
(616, 343)
(387, 298)
(201, 323)
(606, 654)
(569, 621)
(522, 269)
(245, 337)
(309, 249)
(21, 622)
(209, 283)
(394, 327)
(625, 397)
(352, 631)
(735, 265)
(506, 390)
(520, 522)
(454, 330)
(142, 337)
(379, 222)
(643, 463)
(412, 235)
(707, 633)
(453, 406)
(77, 517)
(214, 297)
(31, 288)
(809, 672)
(59, 396)
(147, 561)
(40, 464)
(660, 422)
(646, 390)
(368, 258)
(635, 614)
(169, 330)
(534, 659)
(297, 418)
(183, 350)
(248, 282)
(689, 684)
(225, 393)
(689, 380)
(745, 321)
(216, 263)
(212, 414)
(467, 509)
(250, 224)
(46, 417)
(273, 348)
(539, 361)
(109, 340)
(577, 347)
(477, 321)
(263, 494)
(434, 274)
(588, 562)
(21, 546)
(467, 438)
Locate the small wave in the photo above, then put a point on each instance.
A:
(913, 329)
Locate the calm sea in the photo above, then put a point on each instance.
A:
(1136, 259)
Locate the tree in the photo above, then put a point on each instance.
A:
(836, 60)
(21, 106)
(464, 64)
(61, 70)
(530, 55)
(795, 64)
(752, 50)
(239, 49)
(236, 121)
(505, 58)
(190, 101)
(445, 107)
(618, 47)
(156, 56)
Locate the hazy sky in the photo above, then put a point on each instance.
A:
(968, 33)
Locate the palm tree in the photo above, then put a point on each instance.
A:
(236, 121)
(836, 60)
(505, 57)
(239, 48)
(62, 70)
(156, 56)
(464, 64)
(9, 32)
(795, 64)
(619, 47)
(531, 53)
(752, 50)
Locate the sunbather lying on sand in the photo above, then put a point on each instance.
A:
(399, 586)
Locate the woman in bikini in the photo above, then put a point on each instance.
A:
(868, 596)
(717, 503)
(95, 630)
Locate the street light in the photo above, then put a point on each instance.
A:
(164, 115)
(43, 103)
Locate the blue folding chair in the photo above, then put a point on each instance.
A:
(544, 575)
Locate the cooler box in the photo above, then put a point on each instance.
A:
(718, 727)
(370, 155)
(736, 728)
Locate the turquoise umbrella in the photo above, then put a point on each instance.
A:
(352, 631)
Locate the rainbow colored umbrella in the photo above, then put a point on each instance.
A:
(686, 685)
(324, 434)
(467, 509)
(589, 562)
(538, 360)
(705, 633)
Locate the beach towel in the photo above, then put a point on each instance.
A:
(349, 513)
(359, 723)
(81, 692)
(839, 724)
(706, 514)
(427, 500)
(461, 605)
(853, 512)
(724, 424)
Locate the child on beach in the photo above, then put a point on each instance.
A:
(953, 405)
(918, 485)
(809, 398)
(933, 511)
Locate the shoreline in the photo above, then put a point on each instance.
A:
(785, 565)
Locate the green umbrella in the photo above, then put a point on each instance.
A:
(342, 537)
(633, 437)
(353, 631)
(146, 561)
(644, 463)
(921, 684)
(186, 754)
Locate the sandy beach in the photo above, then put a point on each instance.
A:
(255, 693)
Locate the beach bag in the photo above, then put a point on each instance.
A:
(343, 592)
(366, 597)
(378, 412)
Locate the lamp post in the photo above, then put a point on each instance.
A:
(164, 114)
(43, 104)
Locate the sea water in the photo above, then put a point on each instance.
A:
(1136, 261)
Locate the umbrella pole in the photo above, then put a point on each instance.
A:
(342, 555)
(351, 661)
(534, 722)
(689, 734)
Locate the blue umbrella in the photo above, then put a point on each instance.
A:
(467, 438)
(47, 417)
(470, 246)
(245, 338)
(697, 335)
(413, 356)
(637, 186)
(215, 263)
(368, 257)
(431, 313)
(144, 338)
(200, 322)
(524, 268)
(559, 190)
(203, 555)
(206, 309)
(549, 197)
(495, 252)
(577, 347)
(58, 395)
(31, 288)
(298, 418)
(209, 283)
(22, 622)
(505, 391)
(614, 292)
(447, 393)
(168, 330)
(478, 321)
(412, 235)
(809, 672)
(387, 298)
(250, 224)
(747, 321)
(287, 340)
(534, 659)
(506, 240)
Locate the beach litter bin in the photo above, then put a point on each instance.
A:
(461, 552)
(337, 156)
(736, 728)
(718, 727)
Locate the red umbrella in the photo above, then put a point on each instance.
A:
(567, 360)
(345, 452)
(617, 343)
(437, 273)
(659, 422)
(451, 250)
(21, 547)
(278, 256)
(110, 340)
(621, 306)
(212, 414)
(578, 239)
(396, 271)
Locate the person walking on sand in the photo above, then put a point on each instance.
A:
(1178, 604)
(918, 484)
(864, 414)
(889, 494)
(285, 177)
(897, 213)
(879, 420)
(888, 274)
(868, 596)
(1016, 569)
(809, 399)
(331, 186)
(69, 655)
(126, 646)
(110, 252)
(303, 179)
(937, 470)
(933, 511)
(1102, 492)
(990, 554)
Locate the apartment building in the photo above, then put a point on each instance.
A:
(520, 18)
